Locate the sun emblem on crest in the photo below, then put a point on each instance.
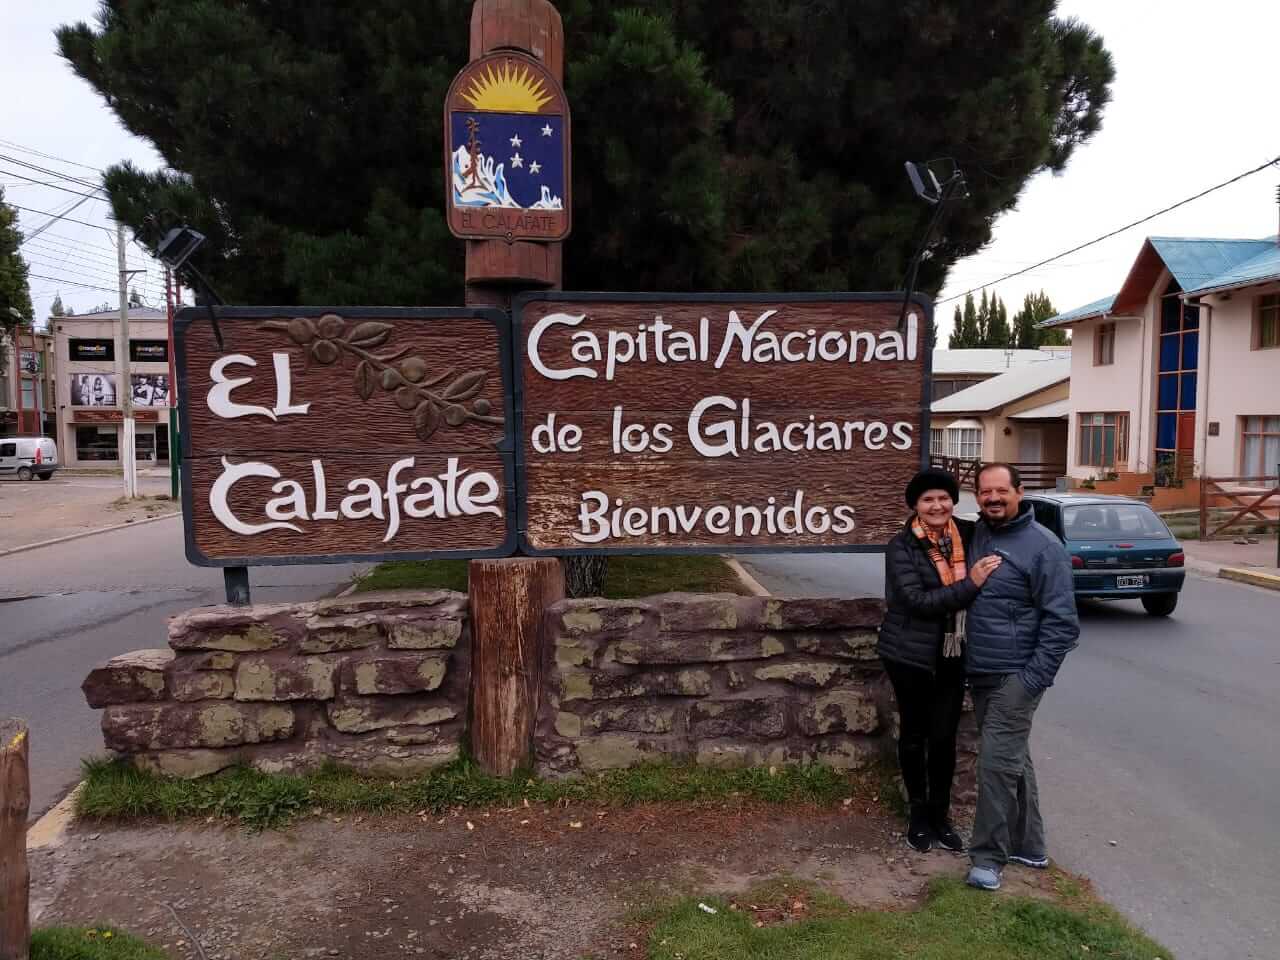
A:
(509, 89)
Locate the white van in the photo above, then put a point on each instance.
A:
(27, 457)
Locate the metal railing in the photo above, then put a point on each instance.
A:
(1035, 475)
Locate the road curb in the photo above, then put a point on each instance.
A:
(51, 829)
(86, 533)
(1253, 577)
(748, 581)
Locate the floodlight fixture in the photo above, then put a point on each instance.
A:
(938, 193)
(178, 244)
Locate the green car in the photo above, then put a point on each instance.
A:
(1120, 549)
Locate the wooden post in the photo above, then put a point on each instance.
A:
(15, 803)
(508, 599)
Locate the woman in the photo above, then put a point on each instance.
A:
(928, 585)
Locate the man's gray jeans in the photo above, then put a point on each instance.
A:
(1008, 817)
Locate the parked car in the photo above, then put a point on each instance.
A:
(1120, 548)
(27, 457)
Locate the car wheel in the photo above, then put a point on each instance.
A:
(45, 476)
(24, 473)
(1160, 604)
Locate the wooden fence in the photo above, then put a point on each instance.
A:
(1245, 502)
(1036, 476)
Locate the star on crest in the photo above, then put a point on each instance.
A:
(535, 168)
(517, 162)
(516, 141)
(546, 131)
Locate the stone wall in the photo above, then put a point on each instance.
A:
(376, 682)
(720, 680)
(379, 683)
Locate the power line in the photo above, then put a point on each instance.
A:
(52, 186)
(70, 283)
(50, 173)
(1107, 236)
(48, 156)
(59, 216)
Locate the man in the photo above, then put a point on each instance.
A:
(1020, 628)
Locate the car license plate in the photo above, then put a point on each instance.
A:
(1123, 582)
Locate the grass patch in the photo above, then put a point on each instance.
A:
(113, 790)
(627, 576)
(953, 923)
(98, 943)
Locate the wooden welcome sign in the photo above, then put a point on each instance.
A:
(323, 435)
(686, 423)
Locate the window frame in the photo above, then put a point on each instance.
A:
(1262, 434)
(1104, 344)
(1119, 426)
(1266, 303)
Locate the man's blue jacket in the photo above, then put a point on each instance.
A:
(1024, 618)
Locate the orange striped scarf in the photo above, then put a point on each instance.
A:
(951, 569)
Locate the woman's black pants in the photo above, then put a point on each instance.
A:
(929, 711)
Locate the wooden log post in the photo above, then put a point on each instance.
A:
(15, 878)
(508, 597)
(508, 603)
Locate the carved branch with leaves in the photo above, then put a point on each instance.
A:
(448, 398)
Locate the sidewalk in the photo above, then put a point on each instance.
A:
(1253, 563)
(74, 503)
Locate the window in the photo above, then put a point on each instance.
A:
(97, 443)
(8, 449)
(1259, 445)
(1104, 440)
(945, 388)
(1046, 514)
(937, 446)
(1133, 521)
(1104, 345)
(964, 442)
(1266, 324)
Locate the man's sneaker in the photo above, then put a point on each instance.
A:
(984, 878)
(919, 833)
(946, 836)
(1036, 863)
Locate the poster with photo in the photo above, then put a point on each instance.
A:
(150, 389)
(31, 362)
(93, 390)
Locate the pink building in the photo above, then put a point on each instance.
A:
(1177, 376)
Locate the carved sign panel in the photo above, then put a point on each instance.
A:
(656, 423)
(321, 435)
(506, 164)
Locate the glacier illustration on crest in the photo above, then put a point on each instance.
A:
(491, 191)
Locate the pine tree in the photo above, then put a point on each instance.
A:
(971, 335)
(15, 295)
(135, 298)
(56, 309)
(998, 334)
(1036, 307)
(957, 329)
(984, 321)
(306, 145)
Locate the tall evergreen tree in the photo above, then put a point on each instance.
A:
(56, 309)
(1036, 307)
(15, 295)
(971, 336)
(304, 139)
(957, 329)
(997, 324)
(984, 320)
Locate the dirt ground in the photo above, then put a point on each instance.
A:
(34, 511)
(536, 883)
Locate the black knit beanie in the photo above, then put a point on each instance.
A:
(927, 480)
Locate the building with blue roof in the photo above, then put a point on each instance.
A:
(1176, 376)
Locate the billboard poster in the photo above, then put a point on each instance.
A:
(93, 390)
(150, 389)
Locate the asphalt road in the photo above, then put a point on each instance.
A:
(1162, 736)
(66, 607)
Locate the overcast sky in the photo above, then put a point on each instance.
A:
(1193, 105)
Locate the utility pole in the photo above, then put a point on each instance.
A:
(170, 289)
(128, 446)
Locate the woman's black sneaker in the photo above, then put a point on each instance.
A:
(946, 837)
(919, 832)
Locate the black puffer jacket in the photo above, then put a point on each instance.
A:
(918, 606)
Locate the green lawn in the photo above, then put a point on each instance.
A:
(113, 790)
(627, 576)
(955, 923)
(102, 943)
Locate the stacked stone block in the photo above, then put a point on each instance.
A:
(374, 682)
(717, 679)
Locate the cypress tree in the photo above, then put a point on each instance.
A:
(15, 295)
(755, 145)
